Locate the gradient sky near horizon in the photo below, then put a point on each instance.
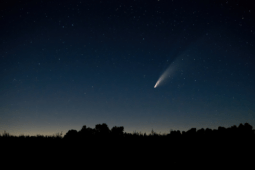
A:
(65, 64)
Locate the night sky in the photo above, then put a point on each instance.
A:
(65, 64)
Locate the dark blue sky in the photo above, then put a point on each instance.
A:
(65, 64)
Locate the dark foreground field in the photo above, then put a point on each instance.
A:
(101, 147)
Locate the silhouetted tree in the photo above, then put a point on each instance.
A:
(247, 127)
(86, 132)
(175, 133)
(84, 128)
(201, 132)
(117, 131)
(71, 134)
(183, 133)
(222, 131)
(102, 129)
(191, 132)
(245, 130)
(208, 131)
(233, 130)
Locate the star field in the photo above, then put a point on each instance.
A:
(65, 64)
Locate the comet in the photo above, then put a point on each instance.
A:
(156, 84)
(172, 70)
(180, 64)
(166, 74)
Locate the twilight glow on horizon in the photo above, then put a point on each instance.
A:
(140, 64)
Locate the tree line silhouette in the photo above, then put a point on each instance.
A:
(191, 147)
(103, 131)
